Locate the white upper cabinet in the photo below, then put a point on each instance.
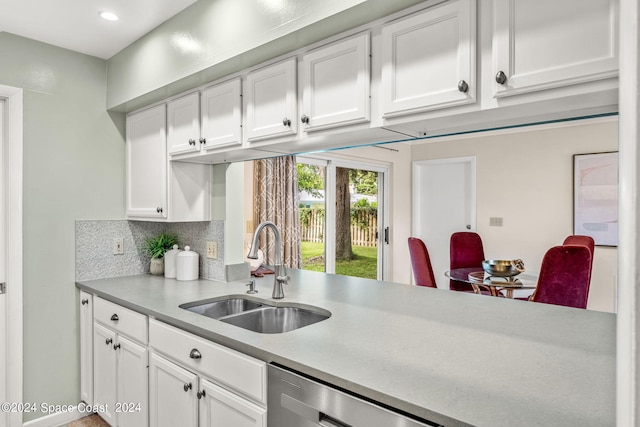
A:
(336, 84)
(221, 107)
(429, 59)
(271, 101)
(147, 164)
(546, 44)
(183, 117)
(159, 190)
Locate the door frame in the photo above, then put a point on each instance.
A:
(13, 149)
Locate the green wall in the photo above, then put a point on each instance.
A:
(74, 161)
(215, 38)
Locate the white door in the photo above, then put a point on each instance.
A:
(133, 383)
(221, 408)
(336, 84)
(172, 394)
(578, 43)
(183, 121)
(104, 368)
(3, 278)
(221, 107)
(444, 199)
(429, 59)
(270, 95)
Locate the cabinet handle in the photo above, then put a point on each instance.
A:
(187, 387)
(192, 141)
(304, 119)
(108, 341)
(201, 394)
(159, 210)
(286, 122)
(203, 140)
(85, 301)
(116, 346)
(195, 354)
(463, 86)
(501, 78)
(115, 318)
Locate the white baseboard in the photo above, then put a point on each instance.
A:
(56, 419)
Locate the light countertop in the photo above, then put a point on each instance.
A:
(449, 357)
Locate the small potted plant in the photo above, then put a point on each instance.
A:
(155, 247)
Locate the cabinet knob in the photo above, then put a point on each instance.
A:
(203, 140)
(85, 301)
(108, 341)
(501, 78)
(463, 86)
(192, 141)
(115, 318)
(304, 119)
(116, 346)
(195, 354)
(201, 394)
(187, 387)
(159, 209)
(286, 122)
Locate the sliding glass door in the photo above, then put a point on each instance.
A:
(342, 217)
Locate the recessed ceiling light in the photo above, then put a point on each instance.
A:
(108, 16)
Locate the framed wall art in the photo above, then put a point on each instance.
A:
(595, 197)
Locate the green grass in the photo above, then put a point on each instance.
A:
(364, 263)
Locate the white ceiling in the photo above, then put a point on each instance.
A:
(75, 24)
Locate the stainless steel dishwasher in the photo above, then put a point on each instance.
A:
(297, 401)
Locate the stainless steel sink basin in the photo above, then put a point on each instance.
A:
(221, 307)
(275, 320)
(257, 315)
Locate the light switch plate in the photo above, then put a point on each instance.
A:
(495, 221)
(118, 246)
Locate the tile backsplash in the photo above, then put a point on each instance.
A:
(94, 246)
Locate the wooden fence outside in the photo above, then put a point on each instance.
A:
(364, 225)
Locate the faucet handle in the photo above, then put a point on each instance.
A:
(252, 287)
(283, 279)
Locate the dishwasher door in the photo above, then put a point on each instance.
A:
(297, 401)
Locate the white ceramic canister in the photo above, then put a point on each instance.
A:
(170, 261)
(187, 265)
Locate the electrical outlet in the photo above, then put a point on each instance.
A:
(495, 222)
(212, 250)
(118, 246)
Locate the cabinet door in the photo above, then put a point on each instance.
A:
(221, 115)
(132, 383)
(429, 59)
(86, 347)
(221, 408)
(104, 368)
(547, 43)
(172, 394)
(147, 164)
(270, 94)
(183, 120)
(336, 81)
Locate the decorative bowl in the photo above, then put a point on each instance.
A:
(503, 267)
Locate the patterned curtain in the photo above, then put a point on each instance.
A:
(275, 183)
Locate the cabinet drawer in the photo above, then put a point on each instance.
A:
(120, 319)
(235, 370)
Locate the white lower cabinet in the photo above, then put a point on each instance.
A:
(195, 382)
(180, 397)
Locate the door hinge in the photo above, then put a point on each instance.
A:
(386, 235)
(3, 288)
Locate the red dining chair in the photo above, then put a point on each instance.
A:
(421, 263)
(564, 277)
(577, 239)
(465, 251)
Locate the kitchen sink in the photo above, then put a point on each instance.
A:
(222, 307)
(258, 316)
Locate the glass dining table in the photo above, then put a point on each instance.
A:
(478, 279)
